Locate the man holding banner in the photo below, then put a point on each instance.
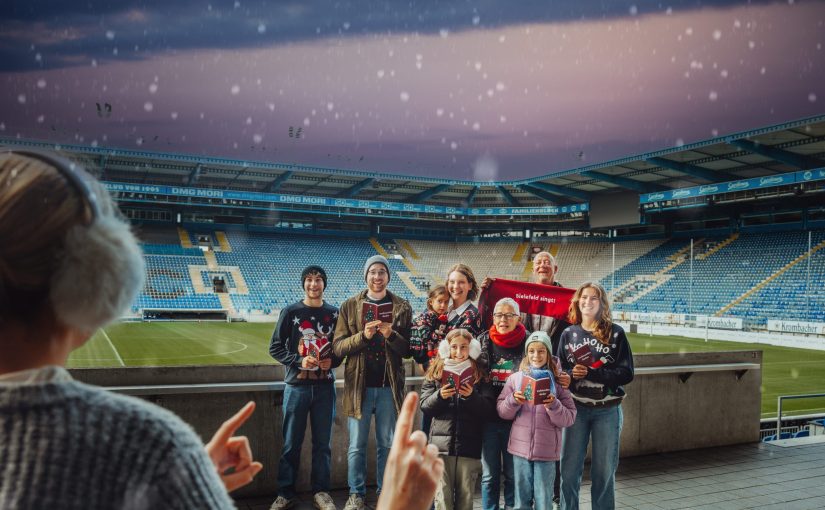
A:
(547, 313)
(544, 305)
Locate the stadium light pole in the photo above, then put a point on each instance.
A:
(613, 273)
(808, 283)
(690, 288)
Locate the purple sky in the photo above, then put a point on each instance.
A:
(486, 90)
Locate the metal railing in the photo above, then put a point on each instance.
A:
(779, 407)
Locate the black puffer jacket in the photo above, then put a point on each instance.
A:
(458, 422)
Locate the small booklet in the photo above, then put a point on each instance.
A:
(320, 349)
(580, 356)
(375, 312)
(457, 375)
(537, 386)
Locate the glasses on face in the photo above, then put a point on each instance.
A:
(508, 316)
(377, 274)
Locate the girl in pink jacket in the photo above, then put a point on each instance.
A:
(535, 438)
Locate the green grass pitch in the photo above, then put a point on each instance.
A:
(786, 371)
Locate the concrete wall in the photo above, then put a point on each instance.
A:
(661, 413)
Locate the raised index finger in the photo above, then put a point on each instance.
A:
(404, 424)
(228, 428)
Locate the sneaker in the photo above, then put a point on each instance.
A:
(355, 502)
(281, 503)
(323, 501)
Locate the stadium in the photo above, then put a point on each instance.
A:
(716, 246)
(712, 253)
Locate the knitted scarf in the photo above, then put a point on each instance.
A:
(508, 340)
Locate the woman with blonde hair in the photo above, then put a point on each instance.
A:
(596, 354)
(69, 265)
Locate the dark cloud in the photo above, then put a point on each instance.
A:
(73, 33)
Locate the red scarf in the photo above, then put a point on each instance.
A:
(508, 340)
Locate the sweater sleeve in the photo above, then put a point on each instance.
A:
(419, 334)
(507, 406)
(279, 344)
(431, 401)
(562, 411)
(619, 372)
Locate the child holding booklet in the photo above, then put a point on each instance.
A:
(458, 413)
(535, 437)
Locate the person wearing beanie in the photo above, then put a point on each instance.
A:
(539, 336)
(538, 419)
(372, 333)
(317, 270)
(302, 343)
(545, 269)
(377, 259)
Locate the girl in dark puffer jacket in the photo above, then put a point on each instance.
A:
(457, 397)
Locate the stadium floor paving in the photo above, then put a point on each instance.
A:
(727, 478)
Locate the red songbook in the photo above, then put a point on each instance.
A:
(580, 356)
(457, 375)
(375, 312)
(537, 386)
(320, 349)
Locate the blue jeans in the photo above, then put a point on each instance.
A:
(317, 401)
(533, 489)
(380, 402)
(604, 424)
(493, 455)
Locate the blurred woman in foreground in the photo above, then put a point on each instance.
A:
(68, 266)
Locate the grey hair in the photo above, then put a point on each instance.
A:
(545, 254)
(509, 302)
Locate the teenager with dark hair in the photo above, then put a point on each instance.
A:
(302, 343)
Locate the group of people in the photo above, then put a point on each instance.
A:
(481, 423)
(69, 264)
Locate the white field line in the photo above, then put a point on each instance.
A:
(117, 354)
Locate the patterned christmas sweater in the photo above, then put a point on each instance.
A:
(299, 326)
(500, 362)
(428, 329)
(610, 366)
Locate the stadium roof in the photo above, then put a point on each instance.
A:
(768, 151)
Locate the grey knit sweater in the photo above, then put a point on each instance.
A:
(67, 445)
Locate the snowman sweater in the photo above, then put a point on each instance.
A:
(299, 326)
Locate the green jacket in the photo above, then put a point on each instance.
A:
(349, 341)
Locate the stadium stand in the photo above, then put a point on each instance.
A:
(751, 276)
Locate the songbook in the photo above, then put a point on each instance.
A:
(320, 349)
(537, 386)
(580, 356)
(375, 312)
(457, 375)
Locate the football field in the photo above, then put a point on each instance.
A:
(785, 371)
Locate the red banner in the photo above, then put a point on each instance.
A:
(532, 298)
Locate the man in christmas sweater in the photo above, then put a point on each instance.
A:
(302, 343)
